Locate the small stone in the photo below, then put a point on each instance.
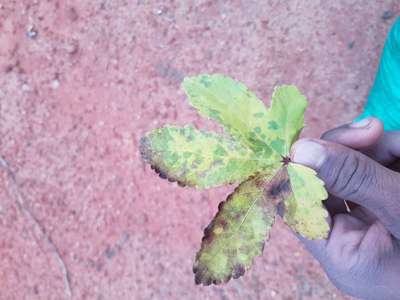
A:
(351, 45)
(31, 32)
(25, 87)
(387, 15)
(158, 11)
(109, 252)
(55, 84)
(72, 47)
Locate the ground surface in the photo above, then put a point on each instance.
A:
(81, 216)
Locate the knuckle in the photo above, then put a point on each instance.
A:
(350, 175)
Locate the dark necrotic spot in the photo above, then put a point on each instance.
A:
(217, 281)
(221, 205)
(197, 279)
(207, 281)
(162, 175)
(181, 184)
(165, 175)
(223, 223)
(195, 269)
(238, 271)
(278, 188)
(160, 172)
(208, 236)
(201, 276)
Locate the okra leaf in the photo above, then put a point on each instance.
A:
(198, 158)
(239, 230)
(304, 211)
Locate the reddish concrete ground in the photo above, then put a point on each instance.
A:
(81, 216)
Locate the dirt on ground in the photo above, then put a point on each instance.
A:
(81, 215)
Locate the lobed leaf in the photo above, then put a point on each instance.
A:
(259, 139)
(239, 230)
(231, 104)
(269, 133)
(198, 158)
(304, 211)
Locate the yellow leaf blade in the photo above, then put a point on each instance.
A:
(236, 235)
(198, 158)
(304, 210)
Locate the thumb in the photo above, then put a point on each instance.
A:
(351, 175)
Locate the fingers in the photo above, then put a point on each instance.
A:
(368, 136)
(346, 232)
(350, 175)
(357, 135)
(387, 148)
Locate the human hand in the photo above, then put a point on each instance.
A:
(361, 255)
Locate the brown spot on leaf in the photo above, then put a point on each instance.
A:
(201, 277)
(238, 271)
(223, 223)
(278, 188)
(220, 223)
(216, 281)
(147, 156)
(221, 205)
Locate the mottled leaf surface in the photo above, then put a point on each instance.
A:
(256, 153)
(231, 104)
(198, 158)
(285, 118)
(269, 133)
(238, 232)
(304, 211)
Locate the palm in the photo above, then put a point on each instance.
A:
(358, 236)
(360, 250)
(362, 253)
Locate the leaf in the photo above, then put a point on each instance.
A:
(286, 117)
(198, 158)
(269, 133)
(231, 104)
(257, 154)
(239, 230)
(304, 211)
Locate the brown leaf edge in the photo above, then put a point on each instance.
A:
(271, 189)
(147, 155)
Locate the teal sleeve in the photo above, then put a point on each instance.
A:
(384, 99)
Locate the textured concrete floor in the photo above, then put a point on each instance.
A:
(81, 216)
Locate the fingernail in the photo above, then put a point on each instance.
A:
(361, 124)
(309, 152)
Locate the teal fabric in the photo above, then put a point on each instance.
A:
(384, 99)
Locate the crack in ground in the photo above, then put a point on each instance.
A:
(38, 227)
